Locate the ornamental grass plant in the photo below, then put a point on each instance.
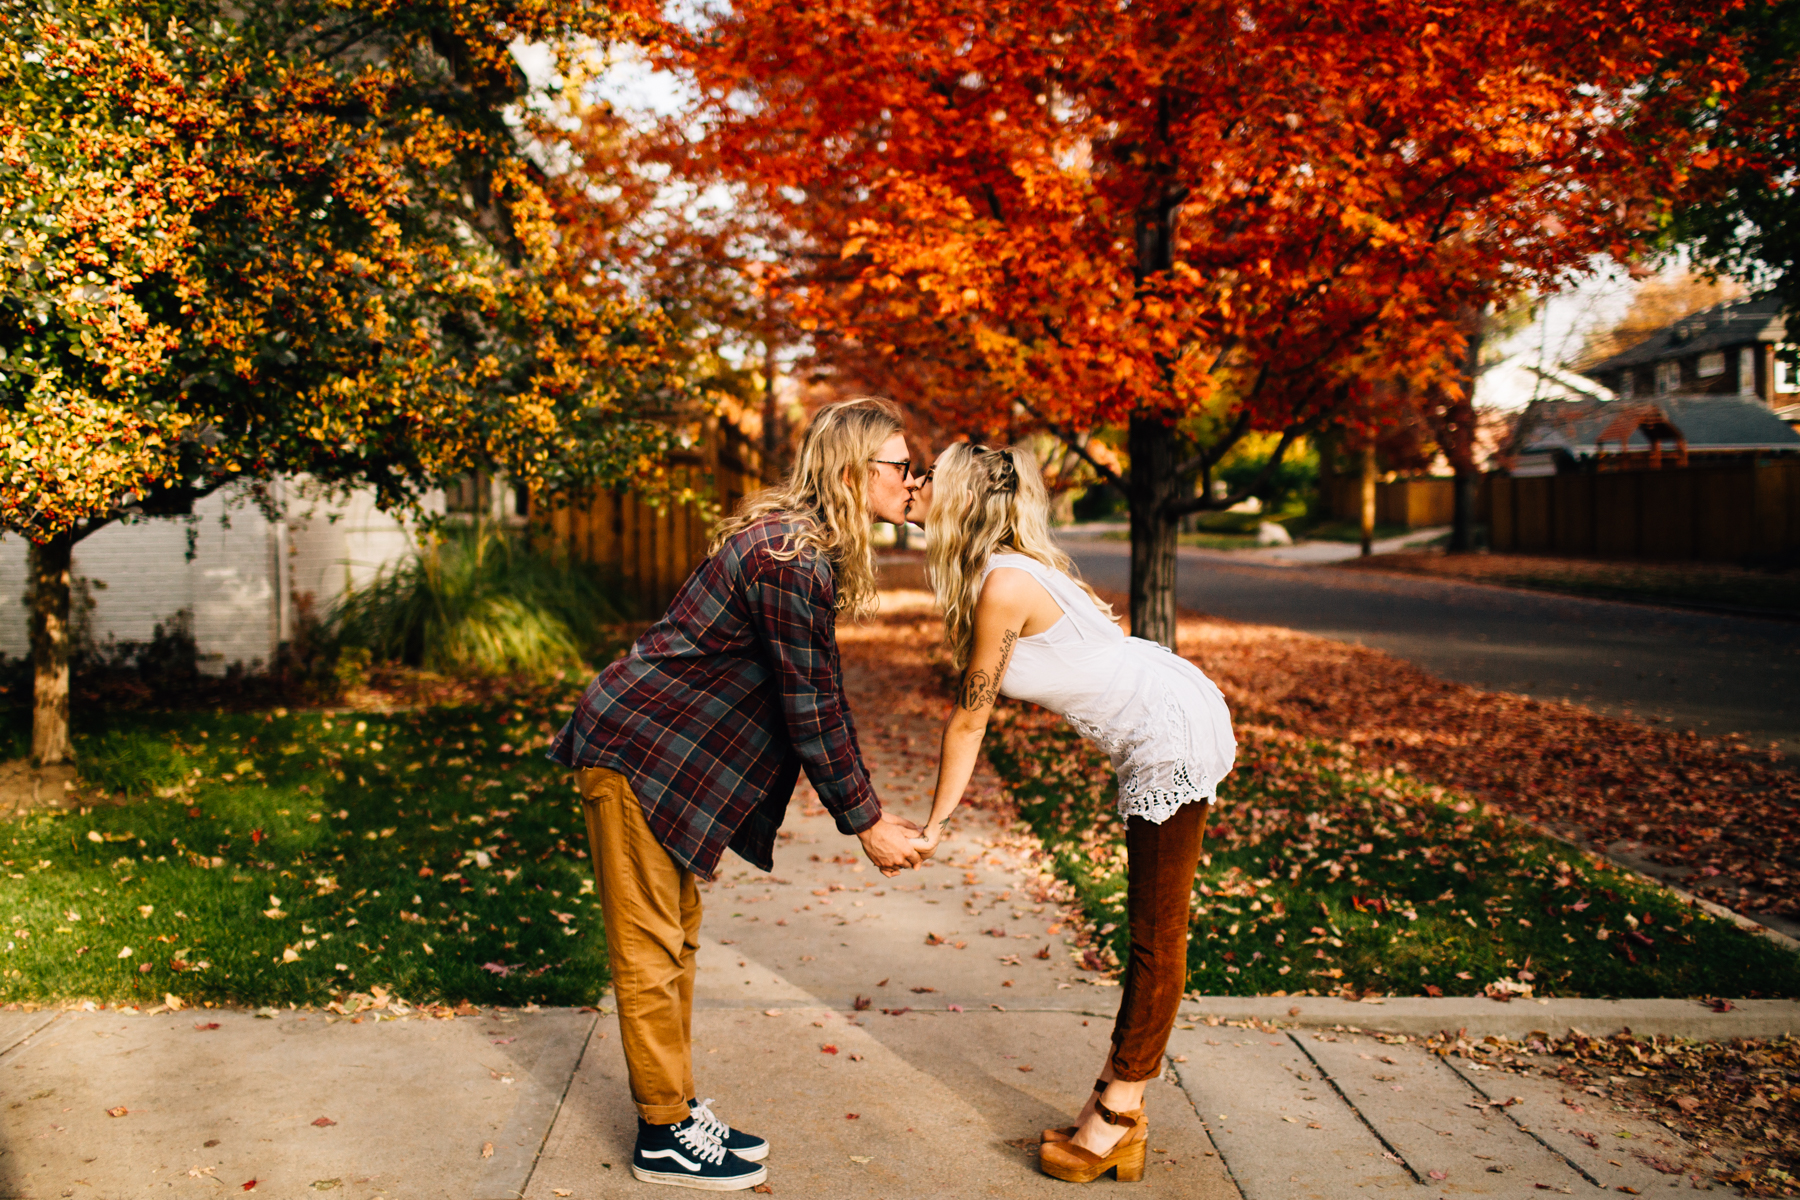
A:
(480, 600)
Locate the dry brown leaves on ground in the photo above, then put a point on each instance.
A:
(1709, 806)
(1737, 1101)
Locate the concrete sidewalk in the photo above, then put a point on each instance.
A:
(977, 1032)
(969, 1045)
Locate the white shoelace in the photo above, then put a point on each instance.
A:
(700, 1140)
(715, 1128)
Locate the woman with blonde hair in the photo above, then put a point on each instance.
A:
(1019, 624)
(693, 742)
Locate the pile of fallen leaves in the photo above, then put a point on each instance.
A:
(1738, 1100)
(1726, 816)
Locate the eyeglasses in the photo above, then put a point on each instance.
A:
(904, 464)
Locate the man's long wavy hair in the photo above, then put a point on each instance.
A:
(828, 490)
(985, 501)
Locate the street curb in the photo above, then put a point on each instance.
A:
(1423, 1016)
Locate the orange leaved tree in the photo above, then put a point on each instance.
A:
(306, 238)
(1188, 218)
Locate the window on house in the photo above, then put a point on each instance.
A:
(1747, 371)
(1710, 365)
(1627, 383)
(469, 494)
(1668, 377)
(1787, 368)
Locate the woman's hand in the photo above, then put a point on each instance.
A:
(928, 840)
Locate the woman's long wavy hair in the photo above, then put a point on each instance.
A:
(828, 489)
(985, 500)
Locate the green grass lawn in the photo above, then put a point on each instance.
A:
(1322, 876)
(266, 858)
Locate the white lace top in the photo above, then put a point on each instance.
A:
(1162, 721)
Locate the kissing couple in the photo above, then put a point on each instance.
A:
(694, 740)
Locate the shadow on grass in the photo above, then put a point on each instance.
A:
(1325, 877)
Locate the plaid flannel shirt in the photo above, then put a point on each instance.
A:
(718, 706)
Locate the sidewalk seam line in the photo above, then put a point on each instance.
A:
(555, 1113)
(26, 1037)
(1351, 1105)
(1175, 1075)
(1530, 1133)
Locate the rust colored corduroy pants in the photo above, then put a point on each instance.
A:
(652, 909)
(1160, 869)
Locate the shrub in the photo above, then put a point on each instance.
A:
(480, 601)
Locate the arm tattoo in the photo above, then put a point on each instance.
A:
(979, 689)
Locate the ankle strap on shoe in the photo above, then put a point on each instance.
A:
(1116, 1118)
(1099, 1085)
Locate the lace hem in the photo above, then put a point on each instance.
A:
(1157, 801)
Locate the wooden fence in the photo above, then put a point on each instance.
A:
(1718, 514)
(652, 549)
(1412, 503)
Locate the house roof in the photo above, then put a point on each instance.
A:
(1737, 323)
(1707, 422)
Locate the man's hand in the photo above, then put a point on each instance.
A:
(889, 845)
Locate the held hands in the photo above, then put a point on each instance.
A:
(927, 841)
(891, 844)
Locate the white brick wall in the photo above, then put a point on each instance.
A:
(240, 582)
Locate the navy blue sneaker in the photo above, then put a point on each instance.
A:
(686, 1155)
(745, 1145)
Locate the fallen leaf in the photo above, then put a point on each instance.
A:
(852, 1116)
(828, 1048)
(861, 1003)
(249, 1185)
(1027, 1070)
(862, 1158)
(205, 1025)
(117, 1112)
(1438, 1174)
(487, 1149)
(322, 1122)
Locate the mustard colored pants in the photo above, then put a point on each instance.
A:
(652, 909)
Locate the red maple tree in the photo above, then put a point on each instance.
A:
(1192, 220)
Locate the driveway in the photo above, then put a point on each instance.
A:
(1712, 674)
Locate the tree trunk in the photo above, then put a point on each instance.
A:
(1462, 519)
(1368, 500)
(50, 650)
(1153, 485)
(1461, 450)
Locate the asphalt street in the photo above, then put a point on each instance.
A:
(1713, 674)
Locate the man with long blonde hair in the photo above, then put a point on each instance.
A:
(693, 743)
